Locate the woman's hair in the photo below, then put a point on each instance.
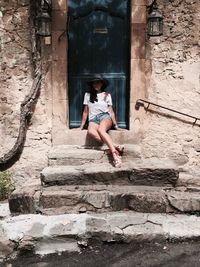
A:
(93, 92)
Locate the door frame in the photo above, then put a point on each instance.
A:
(58, 80)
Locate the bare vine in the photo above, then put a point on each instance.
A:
(29, 102)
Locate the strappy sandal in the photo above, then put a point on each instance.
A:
(117, 159)
(120, 149)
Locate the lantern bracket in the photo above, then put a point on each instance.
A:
(46, 4)
(152, 6)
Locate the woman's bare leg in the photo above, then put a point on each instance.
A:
(99, 133)
(93, 132)
(104, 126)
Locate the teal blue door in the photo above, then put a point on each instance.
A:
(98, 43)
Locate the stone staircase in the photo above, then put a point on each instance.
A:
(82, 179)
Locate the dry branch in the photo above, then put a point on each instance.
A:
(29, 102)
(26, 112)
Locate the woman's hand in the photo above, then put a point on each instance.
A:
(83, 120)
(117, 128)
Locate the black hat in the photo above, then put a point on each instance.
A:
(98, 78)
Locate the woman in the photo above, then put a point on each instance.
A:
(98, 105)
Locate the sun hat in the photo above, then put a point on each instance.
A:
(98, 78)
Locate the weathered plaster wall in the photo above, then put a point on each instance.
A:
(165, 70)
(15, 83)
(175, 82)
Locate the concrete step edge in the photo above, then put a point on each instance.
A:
(109, 227)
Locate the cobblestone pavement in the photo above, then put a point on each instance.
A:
(184, 254)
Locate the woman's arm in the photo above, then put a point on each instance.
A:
(112, 114)
(84, 117)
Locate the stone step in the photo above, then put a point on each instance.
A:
(100, 198)
(81, 138)
(78, 155)
(71, 199)
(136, 172)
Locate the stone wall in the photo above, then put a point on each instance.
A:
(175, 83)
(171, 69)
(15, 83)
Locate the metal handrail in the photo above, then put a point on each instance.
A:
(140, 103)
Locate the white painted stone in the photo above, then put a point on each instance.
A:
(55, 245)
(16, 228)
(4, 209)
(133, 225)
(182, 227)
(143, 231)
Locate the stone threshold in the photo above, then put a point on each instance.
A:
(71, 137)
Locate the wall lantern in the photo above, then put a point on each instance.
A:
(155, 20)
(43, 19)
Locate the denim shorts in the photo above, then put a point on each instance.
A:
(102, 116)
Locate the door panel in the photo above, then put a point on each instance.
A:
(98, 38)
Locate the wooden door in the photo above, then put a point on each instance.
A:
(98, 43)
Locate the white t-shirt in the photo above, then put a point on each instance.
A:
(104, 101)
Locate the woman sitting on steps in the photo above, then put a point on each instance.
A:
(98, 105)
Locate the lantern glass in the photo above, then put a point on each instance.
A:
(155, 23)
(44, 24)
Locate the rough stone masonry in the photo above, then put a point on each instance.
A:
(16, 81)
(173, 80)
